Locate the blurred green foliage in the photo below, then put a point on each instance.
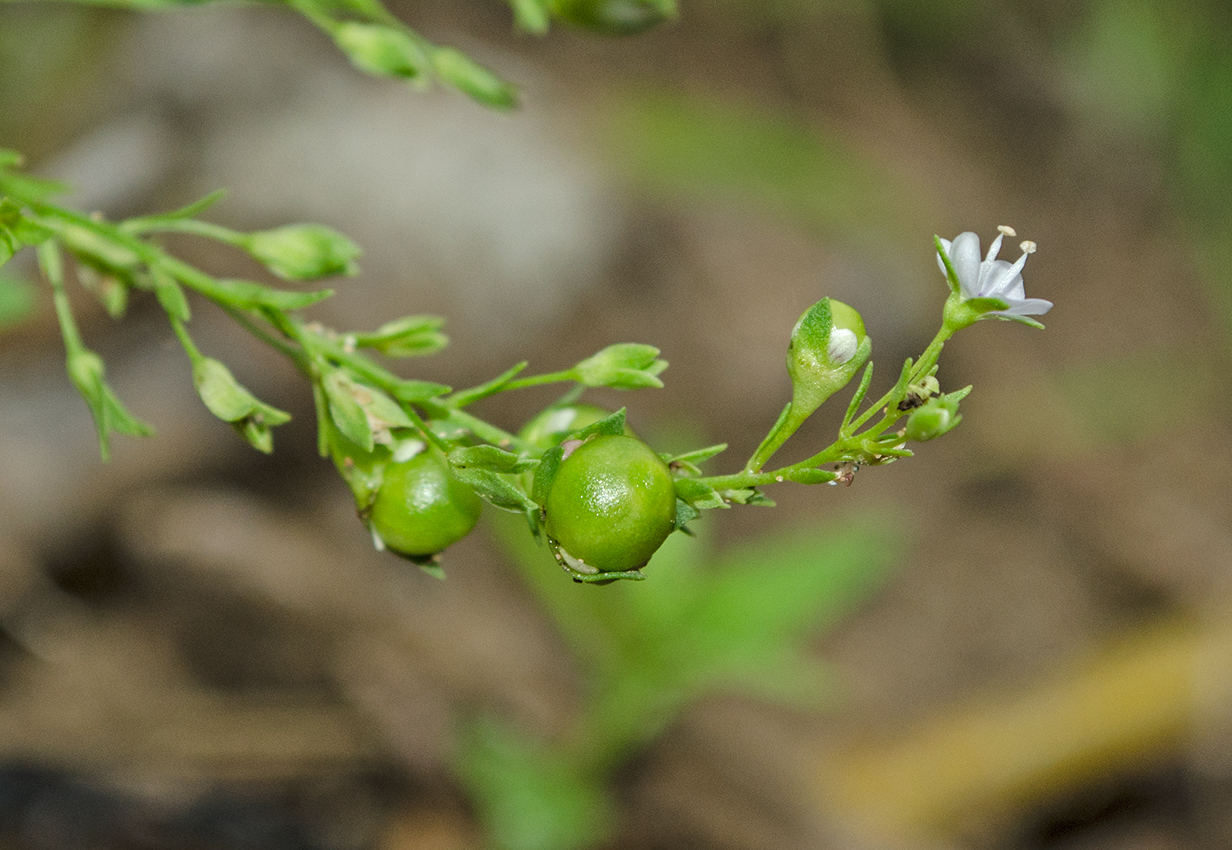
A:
(17, 301)
(678, 144)
(737, 621)
(1162, 72)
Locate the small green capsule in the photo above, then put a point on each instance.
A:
(611, 505)
(935, 417)
(422, 507)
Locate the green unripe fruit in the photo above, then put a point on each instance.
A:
(422, 507)
(611, 505)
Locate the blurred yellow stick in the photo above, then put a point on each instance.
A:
(1132, 700)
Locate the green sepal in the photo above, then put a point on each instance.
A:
(497, 491)
(410, 336)
(608, 426)
(363, 471)
(986, 305)
(748, 496)
(383, 412)
(699, 494)
(685, 514)
(428, 564)
(345, 410)
(960, 312)
(951, 276)
(490, 458)
(545, 473)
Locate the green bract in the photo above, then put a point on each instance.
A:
(422, 507)
(611, 505)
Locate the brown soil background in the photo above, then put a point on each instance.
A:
(200, 644)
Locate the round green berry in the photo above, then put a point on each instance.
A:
(611, 505)
(422, 507)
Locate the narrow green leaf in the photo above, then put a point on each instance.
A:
(469, 396)
(414, 392)
(149, 222)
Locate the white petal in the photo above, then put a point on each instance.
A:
(998, 279)
(1027, 307)
(964, 254)
(843, 345)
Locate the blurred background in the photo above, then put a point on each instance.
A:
(199, 647)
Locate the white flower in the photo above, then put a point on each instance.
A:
(990, 277)
(843, 345)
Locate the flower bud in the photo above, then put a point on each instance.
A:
(227, 398)
(625, 366)
(468, 76)
(937, 416)
(409, 336)
(828, 346)
(303, 251)
(381, 50)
